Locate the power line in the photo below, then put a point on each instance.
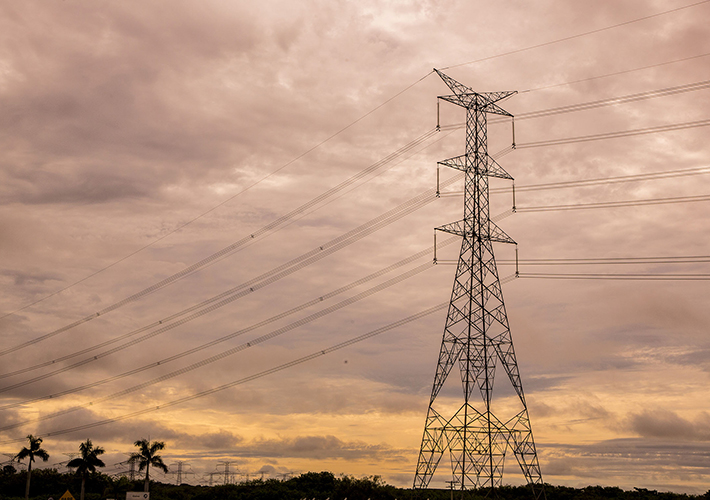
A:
(615, 135)
(622, 277)
(244, 380)
(670, 259)
(347, 183)
(233, 350)
(336, 134)
(218, 301)
(616, 73)
(667, 174)
(679, 89)
(387, 101)
(215, 207)
(237, 292)
(650, 94)
(609, 180)
(579, 35)
(272, 226)
(203, 214)
(522, 209)
(527, 276)
(245, 330)
(616, 204)
(275, 225)
(204, 262)
(252, 285)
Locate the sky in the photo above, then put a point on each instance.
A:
(248, 149)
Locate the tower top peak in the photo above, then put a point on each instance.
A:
(468, 98)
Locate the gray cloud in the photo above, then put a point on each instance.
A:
(318, 447)
(665, 424)
(27, 279)
(120, 123)
(632, 461)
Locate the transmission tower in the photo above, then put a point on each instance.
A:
(477, 336)
(132, 470)
(228, 476)
(178, 470)
(212, 474)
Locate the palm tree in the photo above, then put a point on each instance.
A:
(88, 461)
(33, 451)
(147, 457)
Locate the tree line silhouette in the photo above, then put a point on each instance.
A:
(94, 485)
(85, 465)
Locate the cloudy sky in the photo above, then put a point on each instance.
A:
(196, 195)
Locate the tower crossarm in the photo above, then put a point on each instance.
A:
(466, 97)
(456, 228)
(478, 101)
(495, 170)
(494, 109)
(495, 234)
(462, 162)
(467, 162)
(498, 235)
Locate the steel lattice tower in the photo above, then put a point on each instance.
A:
(477, 336)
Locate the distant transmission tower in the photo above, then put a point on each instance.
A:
(178, 470)
(228, 476)
(477, 336)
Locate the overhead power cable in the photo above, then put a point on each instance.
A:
(679, 89)
(417, 141)
(522, 209)
(236, 292)
(215, 207)
(244, 380)
(668, 174)
(579, 35)
(605, 261)
(233, 350)
(683, 172)
(622, 277)
(609, 135)
(304, 208)
(581, 80)
(616, 204)
(272, 226)
(262, 280)
(180, 227)
(203, 214)
(588, 206)
(616, 135)
(245, 330)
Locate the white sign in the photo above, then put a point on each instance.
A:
(137, 495)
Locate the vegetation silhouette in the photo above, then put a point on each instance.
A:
(311, 485)
(87, 462)
(35, 450)
(147, 456)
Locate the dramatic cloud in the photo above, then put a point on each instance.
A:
(664, 424)
(139, 140)
(624, 462)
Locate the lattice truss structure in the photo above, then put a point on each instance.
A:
(477, 336)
